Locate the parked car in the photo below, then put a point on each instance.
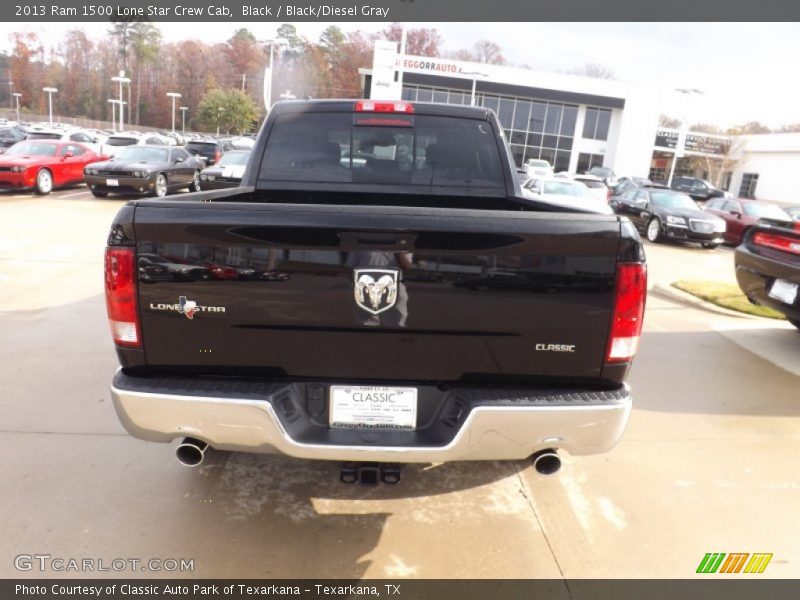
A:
(538, 168)
(42, 165)
(63, 134)
(667, 214)
(565, 192)
(10, 136)
(131, 138)
(625, 184)
(597, 188)
(209, 149)
(740, 214)
(768, 266)
(699, 189)
(605, 173)
(794, 212)
(227, 172)
(150, 170)
(237, 143)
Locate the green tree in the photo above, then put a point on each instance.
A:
(226, 110)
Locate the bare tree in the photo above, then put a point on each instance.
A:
(717, 165)
(595, 70)
(669, 122)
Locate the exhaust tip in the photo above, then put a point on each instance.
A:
(546, 462)
(191, 452)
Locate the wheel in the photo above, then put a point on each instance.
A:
(654, 230)
(794, 322)
(44, 182)
(161, 186)
(710, 246)
(195, 185)
(97, 194)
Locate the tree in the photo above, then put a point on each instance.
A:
(718, 164)
(229, 110)
(24, 77)
(145, 38)
(244, 53)
(420, 41)
(669, 122)
(488, 52)
(595, 70)
(753, 127)
(705, 128)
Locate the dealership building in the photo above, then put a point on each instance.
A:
(577, 122)
(573, 122)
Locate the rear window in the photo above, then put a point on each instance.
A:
(44, 136)
(201, 147)
(591, 183)
(121, 141)
(417, 150)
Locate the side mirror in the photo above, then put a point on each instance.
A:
(736, 214)
(67, 155)
(178, 160)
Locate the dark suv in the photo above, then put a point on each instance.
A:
(699, 189)
(208, 148)
(10, 136)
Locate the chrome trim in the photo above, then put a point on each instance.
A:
(488, 433)
(693, 222)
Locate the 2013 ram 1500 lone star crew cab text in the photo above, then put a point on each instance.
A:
(378, 290)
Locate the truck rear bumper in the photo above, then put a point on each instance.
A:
(490, 424)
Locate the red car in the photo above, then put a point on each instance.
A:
(741, 214)
(42, 165)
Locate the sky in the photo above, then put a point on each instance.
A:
(745, 71)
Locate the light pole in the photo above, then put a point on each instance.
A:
(219, 117)
(183, 118)
(288, 95)
(121, 79)
(681, 142)
(173, 95)
(17, 96)
(50, 91)
(114, 102)
(474, 82)
(268, 80)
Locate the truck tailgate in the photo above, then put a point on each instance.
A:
(302, 291)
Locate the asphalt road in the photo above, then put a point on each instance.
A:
(708, 463)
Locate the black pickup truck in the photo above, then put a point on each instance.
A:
(378, 290)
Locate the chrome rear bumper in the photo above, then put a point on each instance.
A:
(584, 426)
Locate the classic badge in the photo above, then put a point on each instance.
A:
(375, 289)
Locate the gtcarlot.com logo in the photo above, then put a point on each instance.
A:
(736, 562)
(47, 563)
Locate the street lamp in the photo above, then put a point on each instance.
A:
(681, 142)
(288, 95)
(173, 95)
(50, 91)
(113, 102)
(121, 79)
(183, 118)
(474, 82)
(17, 96)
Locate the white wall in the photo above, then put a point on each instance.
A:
(776, 159)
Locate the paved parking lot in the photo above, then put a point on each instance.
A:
(708, 464)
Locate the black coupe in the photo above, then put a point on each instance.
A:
(147, 170)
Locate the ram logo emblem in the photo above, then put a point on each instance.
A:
(375, 289)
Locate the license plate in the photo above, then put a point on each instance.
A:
(783, 290)
(112, 182)
(373, 407)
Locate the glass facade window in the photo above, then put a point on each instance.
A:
(748, 187)
(586, 161)
(596, 124)
(534, 128)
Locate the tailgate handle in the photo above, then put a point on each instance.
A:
(374, 240)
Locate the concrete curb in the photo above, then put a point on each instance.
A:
(670, 293)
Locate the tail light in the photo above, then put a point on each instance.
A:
(123, 313)
(777, 242)
(217, 156)
(626, 324)
(384, 107)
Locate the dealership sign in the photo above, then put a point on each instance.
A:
(695, 143)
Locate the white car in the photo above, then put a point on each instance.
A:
(64, 134)
(538, 168)
(132, 138)
(595, 185)
(565, 192)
